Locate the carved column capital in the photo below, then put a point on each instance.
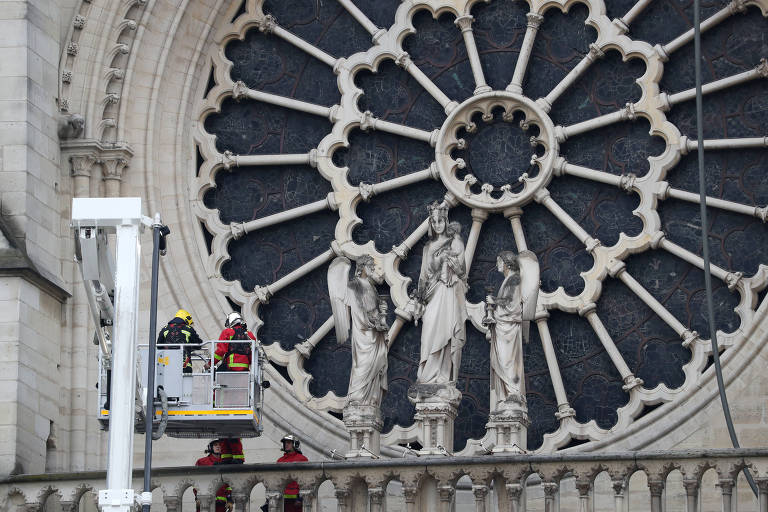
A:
(691, 486)
(113, 167)
(172, 503)
(464, 22)
(82, 164)
(267, 24)
(69, 506)
(307, 499)
(239, 90)
(206, 502)
(446, 493)
(656, 487)
(619, 485)
(550, 489)
(410, 492)
(376, 494)
(534, 20)
(583, 486)
(514, 491)
(342, 497)
(726, 485)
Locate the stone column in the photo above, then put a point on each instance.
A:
(81, 167)
(514, 493)
(376, 496)
(411, 494)
(446, 493)
(71, 506)
(113, 174)
(656, 486)
(241, 501)
(619, 484)
(726, 489)
(550, 492)
(691, 494)
(307, 499)
(343, 498)
(207, 503)
(762, 487)
(584, 487)
(364, 423)
(436, 408)
(275, 500)
(510, 426)
(172, 504)
(481, 493)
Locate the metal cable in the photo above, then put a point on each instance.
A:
(705, 235)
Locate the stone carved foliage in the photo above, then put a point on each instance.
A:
(606, 218)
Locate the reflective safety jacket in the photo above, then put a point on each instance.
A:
(224, 493)
(292, 489)
(223, 496)
(210, 460)
(235, 362)
(177, 332)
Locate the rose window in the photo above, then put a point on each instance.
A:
(328, 127)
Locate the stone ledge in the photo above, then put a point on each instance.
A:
(15, 263)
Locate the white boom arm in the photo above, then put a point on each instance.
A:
(92, 220)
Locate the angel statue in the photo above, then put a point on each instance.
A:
(360, 313)
(508, 317)
(441, 300)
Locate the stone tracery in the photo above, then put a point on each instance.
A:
(608, 260)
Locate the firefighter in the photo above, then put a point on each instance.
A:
(214, 454)
(292, 447)
(234, 357)
(179, 331)
(224, 501)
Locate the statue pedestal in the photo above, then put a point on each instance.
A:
(363, 422)
(436, 408)
(508, 426)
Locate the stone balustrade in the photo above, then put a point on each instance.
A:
(504, 483)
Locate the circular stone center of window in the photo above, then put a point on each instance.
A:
(495, 150)
(499, 152)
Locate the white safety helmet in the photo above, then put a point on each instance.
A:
(233, 319)
(292, 438)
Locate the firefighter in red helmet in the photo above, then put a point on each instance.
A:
(292, 447)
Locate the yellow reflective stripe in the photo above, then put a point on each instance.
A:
(105, 412)
(290, 495)
(218, 357)
(238, 456)
(200, 413)
(238, 365)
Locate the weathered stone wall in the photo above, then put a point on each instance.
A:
(30, 328)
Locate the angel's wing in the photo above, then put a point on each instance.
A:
(529, 283)
(338, 288)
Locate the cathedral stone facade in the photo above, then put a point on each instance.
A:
(273, 137)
